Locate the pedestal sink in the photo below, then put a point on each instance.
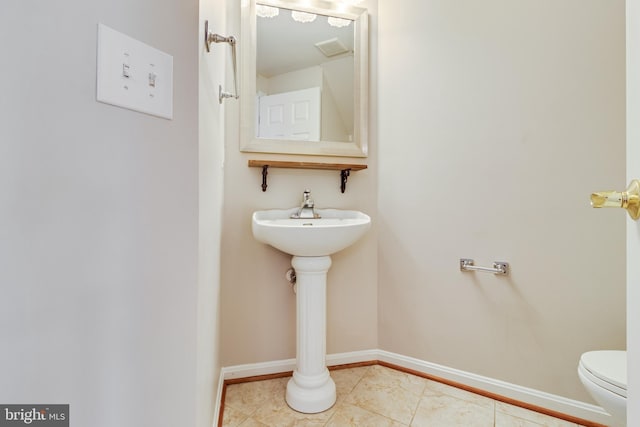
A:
(311, 242)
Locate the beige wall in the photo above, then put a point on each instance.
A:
(497, 120)
(258, 305)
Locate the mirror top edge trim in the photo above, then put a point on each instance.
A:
(319, 7)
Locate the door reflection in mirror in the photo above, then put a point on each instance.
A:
(304, 76)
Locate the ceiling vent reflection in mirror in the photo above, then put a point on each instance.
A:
(331, 47)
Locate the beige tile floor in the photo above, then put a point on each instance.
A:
(377, 396)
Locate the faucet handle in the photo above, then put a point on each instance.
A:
(307, 201)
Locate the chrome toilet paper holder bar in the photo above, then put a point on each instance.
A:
(499, 267)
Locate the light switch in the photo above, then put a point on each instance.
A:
(133, 75)
(152, 79)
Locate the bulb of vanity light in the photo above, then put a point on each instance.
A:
(264, 11)
(299, 16)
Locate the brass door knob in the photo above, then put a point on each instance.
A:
(628, 199)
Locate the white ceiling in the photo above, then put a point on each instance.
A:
(285, 45)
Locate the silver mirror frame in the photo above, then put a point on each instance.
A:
(247, 45)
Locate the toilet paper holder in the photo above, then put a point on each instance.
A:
(499, 267)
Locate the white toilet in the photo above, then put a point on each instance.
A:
(604, 375)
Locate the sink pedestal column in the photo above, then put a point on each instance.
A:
(311, 389)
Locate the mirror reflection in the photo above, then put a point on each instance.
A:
(304, 78)
(304, 75)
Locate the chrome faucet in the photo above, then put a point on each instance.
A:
(306, 209)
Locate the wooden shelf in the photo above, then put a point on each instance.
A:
(305, 165)
(344, 168)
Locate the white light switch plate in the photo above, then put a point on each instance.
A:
(133, 75)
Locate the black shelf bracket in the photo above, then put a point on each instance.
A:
(265, 172)
(344, 174)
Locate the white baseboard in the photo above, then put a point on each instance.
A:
(254, 369)
(511, 391)
(525, 395)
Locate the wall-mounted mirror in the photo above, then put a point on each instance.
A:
(304, 78)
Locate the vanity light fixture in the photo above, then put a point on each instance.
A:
(264, 11)
(304, 17)
(338, 22)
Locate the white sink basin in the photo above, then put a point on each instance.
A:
(334, 231)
